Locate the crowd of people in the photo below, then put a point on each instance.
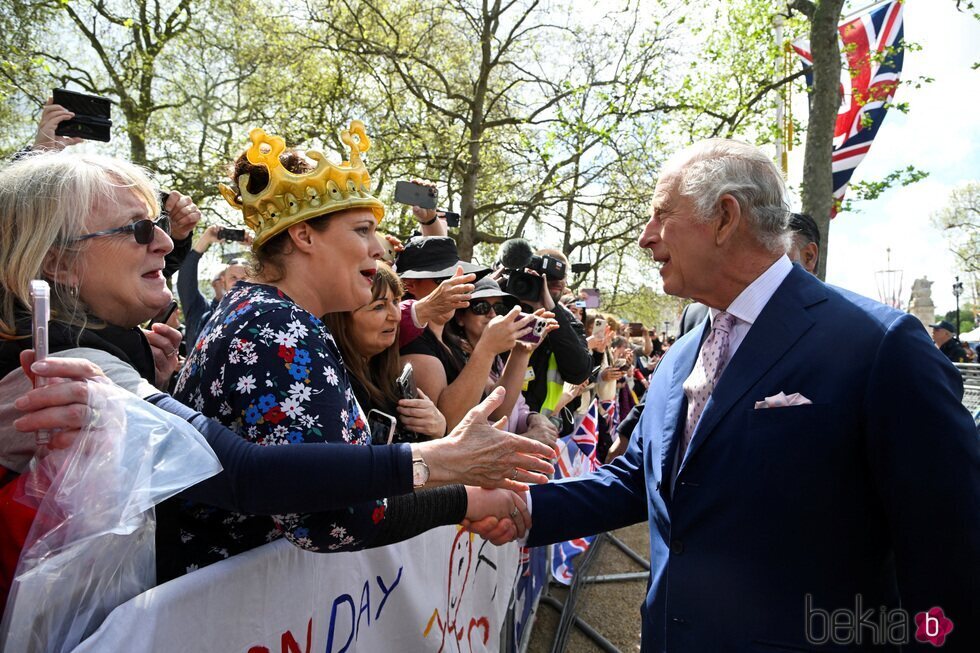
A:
(426, 390)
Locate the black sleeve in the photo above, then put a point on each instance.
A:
(570, 348)
(625, 428)
(411, 514)
(176, 256)
(302, 478)
(192, 303)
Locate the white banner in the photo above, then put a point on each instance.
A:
(445, 590)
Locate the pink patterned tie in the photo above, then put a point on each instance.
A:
(707, 370)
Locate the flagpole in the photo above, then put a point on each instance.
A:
(862, 10)
(777, 21)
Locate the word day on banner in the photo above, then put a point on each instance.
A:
(445, 590)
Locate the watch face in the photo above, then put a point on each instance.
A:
(420, 472)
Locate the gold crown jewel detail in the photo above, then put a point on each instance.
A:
(290, 198)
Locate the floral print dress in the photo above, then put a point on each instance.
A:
(270, 371)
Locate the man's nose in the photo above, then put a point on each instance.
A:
(650, 233)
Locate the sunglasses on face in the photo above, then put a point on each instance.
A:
(142, 230)
(483, 307)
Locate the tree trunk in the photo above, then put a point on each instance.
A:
(467, 201)
(817, 189)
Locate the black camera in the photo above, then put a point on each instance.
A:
(516, 256)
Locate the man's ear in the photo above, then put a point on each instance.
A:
(729, 220)
(808, 257)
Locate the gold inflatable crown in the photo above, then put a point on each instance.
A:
(291, 198)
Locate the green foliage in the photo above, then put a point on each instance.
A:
(960, 219)
(871, 190)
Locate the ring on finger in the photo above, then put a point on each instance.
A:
(95, 417)
(513, 513)
(172, 352)
(513, 476)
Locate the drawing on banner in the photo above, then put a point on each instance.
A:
(449, 623)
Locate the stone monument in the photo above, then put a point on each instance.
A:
(921, 305)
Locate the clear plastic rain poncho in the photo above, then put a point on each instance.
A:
(91, 546)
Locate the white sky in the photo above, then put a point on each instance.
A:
(940, 134)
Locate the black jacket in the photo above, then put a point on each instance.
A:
(571, 354)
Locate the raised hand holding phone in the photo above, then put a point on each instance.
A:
(41, 315)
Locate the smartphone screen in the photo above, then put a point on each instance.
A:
(382, 427)
(591, 297)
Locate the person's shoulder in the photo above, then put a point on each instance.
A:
(253, 304)
(425, 345)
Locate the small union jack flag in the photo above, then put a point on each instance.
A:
(563, 560)
(872, 44)
(586, 434)
(576, 457)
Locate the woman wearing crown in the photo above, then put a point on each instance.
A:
(267, 367)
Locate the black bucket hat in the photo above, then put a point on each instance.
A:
(433, 257)
(487, 287)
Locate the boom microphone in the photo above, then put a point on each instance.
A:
(516, 253)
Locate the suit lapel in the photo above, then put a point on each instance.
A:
(687, 355)
(779, 326)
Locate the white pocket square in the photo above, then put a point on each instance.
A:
(783, 399)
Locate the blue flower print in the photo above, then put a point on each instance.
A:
(252, 415)
(299, 372)
(295, 437)
(302, 357)
(266, 402)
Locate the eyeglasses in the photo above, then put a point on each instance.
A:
(142, 230)
(483, 307)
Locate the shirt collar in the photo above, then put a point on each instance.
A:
(750, 302)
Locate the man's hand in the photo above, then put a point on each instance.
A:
(450, 295)
(499, 516)
(53, 115)
(164, 342)
(184, 215)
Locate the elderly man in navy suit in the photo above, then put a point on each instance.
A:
(809, 475)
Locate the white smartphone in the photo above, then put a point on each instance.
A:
(41, 315)
(599, 328)
(382, 426)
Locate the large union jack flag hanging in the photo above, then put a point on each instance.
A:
(871, 44)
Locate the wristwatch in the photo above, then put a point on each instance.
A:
(420, 472)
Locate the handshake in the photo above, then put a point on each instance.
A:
(499, 516)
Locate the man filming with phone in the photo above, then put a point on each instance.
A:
(564, 355)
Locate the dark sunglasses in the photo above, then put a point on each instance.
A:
(483, 307)
(142, 230)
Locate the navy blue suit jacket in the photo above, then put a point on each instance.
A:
(871, 490)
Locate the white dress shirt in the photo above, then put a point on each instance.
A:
(749, 304)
